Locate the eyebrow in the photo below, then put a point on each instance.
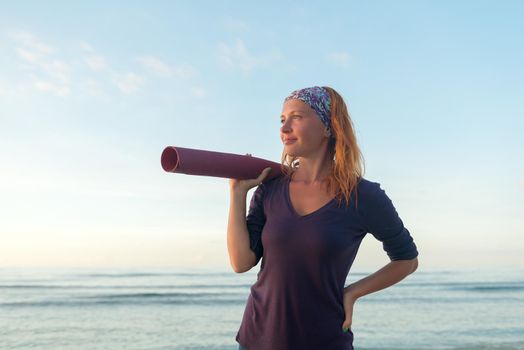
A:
(294, 112)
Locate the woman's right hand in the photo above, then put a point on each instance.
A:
(246, 185)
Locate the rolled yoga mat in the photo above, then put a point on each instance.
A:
(218, 164)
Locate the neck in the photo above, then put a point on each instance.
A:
(311, 171)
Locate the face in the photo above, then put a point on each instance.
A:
(301, 123)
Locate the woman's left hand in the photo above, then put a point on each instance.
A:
(349, 301)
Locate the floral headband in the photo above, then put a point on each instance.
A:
(318, 99)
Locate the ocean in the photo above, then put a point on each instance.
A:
(161, 309)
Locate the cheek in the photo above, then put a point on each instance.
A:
(312, 133)
(308, 132)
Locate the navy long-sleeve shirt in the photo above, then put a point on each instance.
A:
(297, 300)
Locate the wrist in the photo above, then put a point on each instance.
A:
(351, 292)
(238, 193)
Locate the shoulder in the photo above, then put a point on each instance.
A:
(370, 193)
(272, 183)
(268, 186)
(368, 188)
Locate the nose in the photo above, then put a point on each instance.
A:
(285, 127)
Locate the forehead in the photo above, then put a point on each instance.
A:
(295, 106)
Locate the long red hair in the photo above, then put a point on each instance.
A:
(349, 165)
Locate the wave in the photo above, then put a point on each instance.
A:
(476, 346)
(468, 286)
(144, 286)
(153, 274)
(136, 299)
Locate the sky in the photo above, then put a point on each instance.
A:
(91, 93)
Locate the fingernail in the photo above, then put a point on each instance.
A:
(344, 329)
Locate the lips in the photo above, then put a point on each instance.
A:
(289, 141)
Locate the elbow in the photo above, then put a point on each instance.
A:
(238, 269)
(415, 264)
(408, 265)
(241, 267)
(245, 264)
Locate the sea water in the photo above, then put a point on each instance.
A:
(157, 309)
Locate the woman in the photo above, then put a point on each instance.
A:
(307, 225)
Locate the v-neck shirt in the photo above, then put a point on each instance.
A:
(297, 300)
(292, 208)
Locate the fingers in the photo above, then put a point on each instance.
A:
(346, 326)
(264, 173)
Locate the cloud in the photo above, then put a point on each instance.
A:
(50, 74)
(57, 70)
(157, 66)
(47, 86)
(238, 57)
(93, 88)
(96, 63)
(165, 70)
(86, 46)
(340, 59)
(27, 56)
(198, 92)
(30, 41)
(47, 73)
(128, 82)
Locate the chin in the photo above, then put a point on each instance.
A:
(290, 152)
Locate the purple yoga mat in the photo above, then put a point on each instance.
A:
(218, 164)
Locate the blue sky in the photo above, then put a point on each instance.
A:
(90, 94)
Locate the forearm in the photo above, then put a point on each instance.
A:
(237, 233)
(392, 273)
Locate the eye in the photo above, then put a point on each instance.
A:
(293, 116)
